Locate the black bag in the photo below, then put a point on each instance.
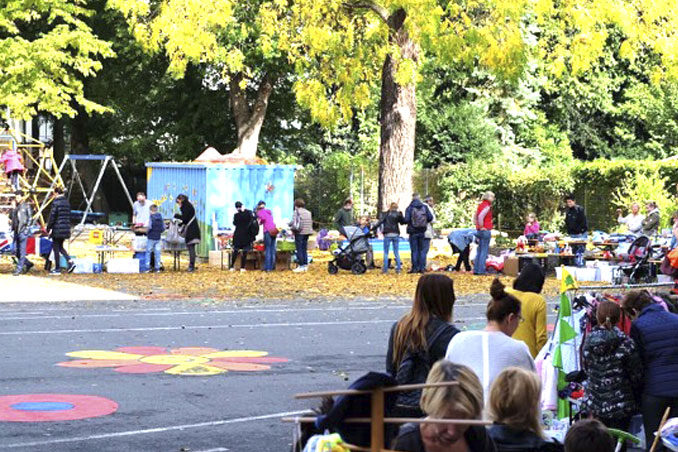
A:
(254, 227)
(414, 369)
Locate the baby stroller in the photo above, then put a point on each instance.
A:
(350, 257)
(636, 268)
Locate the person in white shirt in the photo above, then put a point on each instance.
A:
(492, 350)
(141, 214)
(633, 221)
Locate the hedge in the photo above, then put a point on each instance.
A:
(542, 188)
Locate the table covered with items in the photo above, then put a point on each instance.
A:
(611, 258)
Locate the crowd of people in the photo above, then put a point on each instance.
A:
(495, 370)
(418, 221)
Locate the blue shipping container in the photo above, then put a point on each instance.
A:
(213, 190)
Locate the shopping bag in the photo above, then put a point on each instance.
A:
(173, 233)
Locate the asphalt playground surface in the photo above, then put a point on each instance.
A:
(327, 345)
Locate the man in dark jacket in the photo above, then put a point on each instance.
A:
(390, 223)
(59, 229)
(242, 236)
(22, 223)
(417, 217)
(654, 332)
(577, 227)
(344, 216)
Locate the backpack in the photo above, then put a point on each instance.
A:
(414, 368)
(419, 217)
(253, 227)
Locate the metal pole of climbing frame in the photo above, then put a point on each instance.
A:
(94, 191)
(122, 182)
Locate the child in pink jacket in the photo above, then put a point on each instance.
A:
(532, 227)
(12, 161)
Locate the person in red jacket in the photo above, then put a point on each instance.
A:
(483, 223)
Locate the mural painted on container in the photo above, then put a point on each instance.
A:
(195, 361)
(214, 189)
(249, 185)
(53, 407)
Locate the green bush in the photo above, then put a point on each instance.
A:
(600, 186)
(523, 181)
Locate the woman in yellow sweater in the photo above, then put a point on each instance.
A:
(527, 288)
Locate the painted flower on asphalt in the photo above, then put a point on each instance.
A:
(198, 361)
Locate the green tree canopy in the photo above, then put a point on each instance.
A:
(46, 49)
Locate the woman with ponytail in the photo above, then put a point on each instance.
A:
(614, 368)
(420, 338)
(492, 350)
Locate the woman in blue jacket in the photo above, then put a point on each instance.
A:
(655, 332)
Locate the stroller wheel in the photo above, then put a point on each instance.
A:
(358, 268)
(332, 269)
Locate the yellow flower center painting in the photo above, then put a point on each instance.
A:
(195, 361)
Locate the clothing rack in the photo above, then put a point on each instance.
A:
(622, 287)
(377, 419)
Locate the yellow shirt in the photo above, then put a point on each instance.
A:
(532, 330)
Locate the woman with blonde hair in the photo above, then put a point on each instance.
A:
(514, 407)
(420, 338)
(461, 401)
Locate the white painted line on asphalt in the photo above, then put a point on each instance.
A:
(232, 311)
(194, 327)
(215, 327)
(218, 449)
(151, 431)
(22, 312)
(165, 314)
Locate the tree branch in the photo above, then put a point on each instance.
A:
(261, 104)
(241, 109)
(366, 4)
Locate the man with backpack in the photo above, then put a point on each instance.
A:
(246, 230)
(417, 217)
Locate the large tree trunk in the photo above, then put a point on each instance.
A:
(249, 118)
(398, 121)
(59, 144)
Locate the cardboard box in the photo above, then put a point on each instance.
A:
(252, 262)
(215, 258)
(123, 266)
(83, 265)
(283, 260)
(511, 266)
